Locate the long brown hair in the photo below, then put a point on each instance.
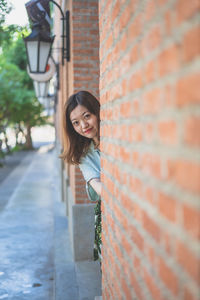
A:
(77, 145)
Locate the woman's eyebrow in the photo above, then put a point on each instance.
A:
(85, 112)
(81, 115)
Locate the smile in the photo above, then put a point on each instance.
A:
(88, 131)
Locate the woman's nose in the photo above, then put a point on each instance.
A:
(84, 124)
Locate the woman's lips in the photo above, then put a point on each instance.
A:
(88, 131)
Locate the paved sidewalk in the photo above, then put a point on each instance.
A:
(35, 254)
(10, 162)
(27, 269)
(10, 174)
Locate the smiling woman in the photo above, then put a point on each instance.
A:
(85, 123)
(81, 129)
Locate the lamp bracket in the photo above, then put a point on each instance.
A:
(65, 30)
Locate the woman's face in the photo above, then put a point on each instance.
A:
(84, 122)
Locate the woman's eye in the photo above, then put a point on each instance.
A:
(87, 116)
(75, 123)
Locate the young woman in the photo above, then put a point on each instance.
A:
(81, 129)
(81, 132)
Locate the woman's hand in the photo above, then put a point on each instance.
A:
(96, 184)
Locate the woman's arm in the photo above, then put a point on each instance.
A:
(96, 184)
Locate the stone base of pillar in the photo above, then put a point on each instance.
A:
(81, 229)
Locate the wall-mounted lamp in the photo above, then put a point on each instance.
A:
(39, 42)
(41, 88)
(48, 104)
(38, 49)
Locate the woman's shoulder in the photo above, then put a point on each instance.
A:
(91, 154)
(90, 151)
(90, 164)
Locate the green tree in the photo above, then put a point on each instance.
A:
(5, 8)
(5, 32)
(16, 54)
(19, 107)
(28, 114)
(10, 79)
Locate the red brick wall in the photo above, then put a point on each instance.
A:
(85, 61)
(85, 36)
(150, 140)
(82, 72)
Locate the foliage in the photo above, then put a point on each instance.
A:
(98, 230)
(5, 8)
(19, 107)
(16, 54)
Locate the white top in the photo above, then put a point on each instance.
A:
(90, 164)
(90, 167)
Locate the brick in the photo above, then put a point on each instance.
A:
(188, 260)
(151, 165)
(169, 60)
(168, 21)
(187, 90)
(192, 131)
(168, 277)
(117, 291)
(151, 227)
(124, 18)
(110, 221)
(186, 174)
(149, 97)
(150, 11)
(167, 207)
(136, 237)
(110, 185)
(123, 43)
(162, 2)
(136, 186)
(191, 220)
(150, 72)
(149, 132)
(154, 38)
(188, 295)
(126, 290)
(152, 286)
(151, 102)
(134, 29)
(124, 155)
(137, 289)
(149, 194)
(126, 202)
(137, 264)
(109, 42)
(191, 44)
(135, 81)
(117, 250)
(125, 109)
(84, 51)
(135, 132)
(151, 41)
(135, 159)
(186, 9)
(115, 11)
(133, 55)
(168, 242)
(121, 217)
(151, 254)
(168, 132)
(137, 212)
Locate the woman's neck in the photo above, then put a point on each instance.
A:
(96, 142)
